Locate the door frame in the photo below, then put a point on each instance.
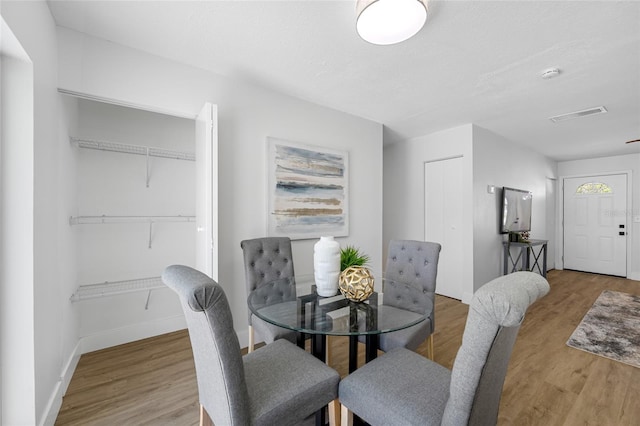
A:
(553, 230)
(560, 253)
(207, 190)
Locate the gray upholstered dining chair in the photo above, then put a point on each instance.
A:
(266, 259)
(417, 391)
(414, 263)
(278, 384)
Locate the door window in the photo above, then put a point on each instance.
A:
(594, 188)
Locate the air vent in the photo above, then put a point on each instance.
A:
(578, 114)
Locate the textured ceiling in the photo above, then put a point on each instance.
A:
(473, 62)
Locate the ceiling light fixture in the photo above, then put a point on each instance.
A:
(389, 21)
(578, 114)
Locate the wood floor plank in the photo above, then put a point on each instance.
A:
(152, 381)
(630, 415)
(549, 406)
(603, 403)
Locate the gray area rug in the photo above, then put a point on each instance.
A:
(611, 328)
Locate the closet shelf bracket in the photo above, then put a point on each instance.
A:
(146, 305)
(147, 167)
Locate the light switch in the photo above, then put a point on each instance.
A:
(491, 189)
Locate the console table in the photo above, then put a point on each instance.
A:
(524, 251)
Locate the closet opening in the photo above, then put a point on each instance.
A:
(142, 195)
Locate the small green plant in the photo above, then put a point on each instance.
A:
(351, 256)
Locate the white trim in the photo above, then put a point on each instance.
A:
(113, 101)
(450, 157)
(634, 276)
(54, 404)
(467, 297)
(131, 333)
(70, 367)
(243, 337)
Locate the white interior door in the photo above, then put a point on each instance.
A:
(443, 221)
(207, 190)
(595, 224)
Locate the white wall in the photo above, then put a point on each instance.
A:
(33, 26)
(110, 183)
(500, 162)
(247, 115)
(404, 189)
(621, 163)
(489, 160)
(17, 350)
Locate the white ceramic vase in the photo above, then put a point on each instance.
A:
(326, 266)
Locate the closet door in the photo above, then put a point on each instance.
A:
(443, 221)
(207, 190)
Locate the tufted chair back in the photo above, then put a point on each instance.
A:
(495, 315)
(278, 384)
(402, 387)
(266, 259)
(216, 351)
(415, 263)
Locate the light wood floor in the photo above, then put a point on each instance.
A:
(152, 381)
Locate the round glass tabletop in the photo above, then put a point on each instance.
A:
(293, 303)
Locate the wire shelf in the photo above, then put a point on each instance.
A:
(92, 291)
(103, 219)
(132, 149)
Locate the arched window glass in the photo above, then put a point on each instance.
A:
(594, 188)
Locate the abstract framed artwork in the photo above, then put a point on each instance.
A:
(308, 190)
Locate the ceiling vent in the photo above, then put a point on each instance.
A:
(578, 114)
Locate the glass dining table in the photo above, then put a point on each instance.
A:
(293, 303)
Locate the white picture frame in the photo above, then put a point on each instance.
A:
(308, 190)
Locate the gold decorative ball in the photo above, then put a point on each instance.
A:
(356, 283)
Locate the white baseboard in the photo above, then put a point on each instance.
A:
(55, 401)
(634, 276)
(131, 333)
(243, 337)
(53, 406)
(466, 298)
(99, 341)
(70, 367)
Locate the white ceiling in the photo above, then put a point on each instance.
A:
(473, 62)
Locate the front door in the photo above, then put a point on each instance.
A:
(595, 224)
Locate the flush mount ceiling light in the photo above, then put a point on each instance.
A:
(390, 21)
(578, 114)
